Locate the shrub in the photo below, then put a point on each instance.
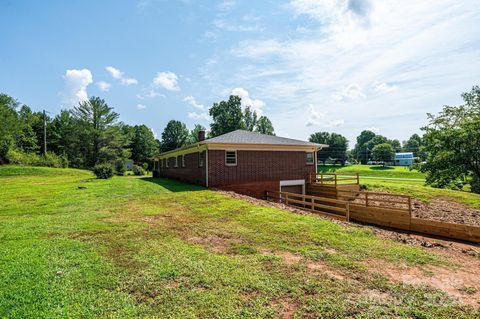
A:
(103, 171)
(49, 159)
(145, 166)
(120, 167)
(138, 170)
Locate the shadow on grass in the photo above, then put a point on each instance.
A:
(173, 185)
(381, 168)
(328, 168)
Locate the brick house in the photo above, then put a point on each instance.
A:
(242, 161)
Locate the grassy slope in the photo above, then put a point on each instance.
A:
(130, 247)
(379, 178)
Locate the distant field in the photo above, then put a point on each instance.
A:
(373, 171)
(409, 182)
(133, 247)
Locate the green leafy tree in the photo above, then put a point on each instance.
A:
(227, 116)
(452, 144)
(397, 147)
(414, 145)
(337, 146)
(193, 136)
(174, 135)
(9, 126)
(362, 151)
(27, 138)
(250, 118)
(95, 123)
(383, 152)
(264, 126)
(143, 144)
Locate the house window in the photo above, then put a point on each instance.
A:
(310, 158)
(161, 163)
(183, 160)
(201, 159)
(176, 161)
(231, 158)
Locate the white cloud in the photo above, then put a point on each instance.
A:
(76, 83)
(231, 27)
(199, 116)
(255, 104)
(314, 117)
(154, 133)
(141, 106)
(148, 93)
(384, 88)
(103, 86)
(119, 75)
(352, 91)
(336, 123)
(166, 80)
(191, 100)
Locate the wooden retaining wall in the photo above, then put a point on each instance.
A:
(372, 212)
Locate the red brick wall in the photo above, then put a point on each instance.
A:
(256, 171)
(191, 173)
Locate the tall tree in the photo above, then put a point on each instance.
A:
(383, 152)
(264, 126)
(64, 139)
(9, 126)
(193, 136)
(250, 118)
(452, 144)
(414, 144)
(337, 146)
(95, 119)
(174, 135)
(361, 151)
(143, 145)
(227, 116)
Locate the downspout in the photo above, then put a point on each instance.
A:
(206, 165)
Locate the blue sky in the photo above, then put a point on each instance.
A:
(333, 65)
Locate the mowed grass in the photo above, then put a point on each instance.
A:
(133, 247)
(402, 180)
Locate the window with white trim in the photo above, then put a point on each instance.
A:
(230, 158)
(166, 162)
(310, 158)
(176, 161)
(183, 160)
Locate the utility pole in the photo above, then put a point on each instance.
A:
(44, 133)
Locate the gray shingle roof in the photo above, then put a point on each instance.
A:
(247, 137)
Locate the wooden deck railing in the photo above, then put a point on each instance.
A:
(335, 179)
(336, 208)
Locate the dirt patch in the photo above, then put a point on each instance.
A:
(318, 266)
(214, 243)
(446, 210)
(286, 308)
(461, 283)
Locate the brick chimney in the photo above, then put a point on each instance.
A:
(201, 135)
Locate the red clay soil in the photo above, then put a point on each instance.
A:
(447, 210)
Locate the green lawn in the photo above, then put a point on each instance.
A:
(402, 180)
(133, 247)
